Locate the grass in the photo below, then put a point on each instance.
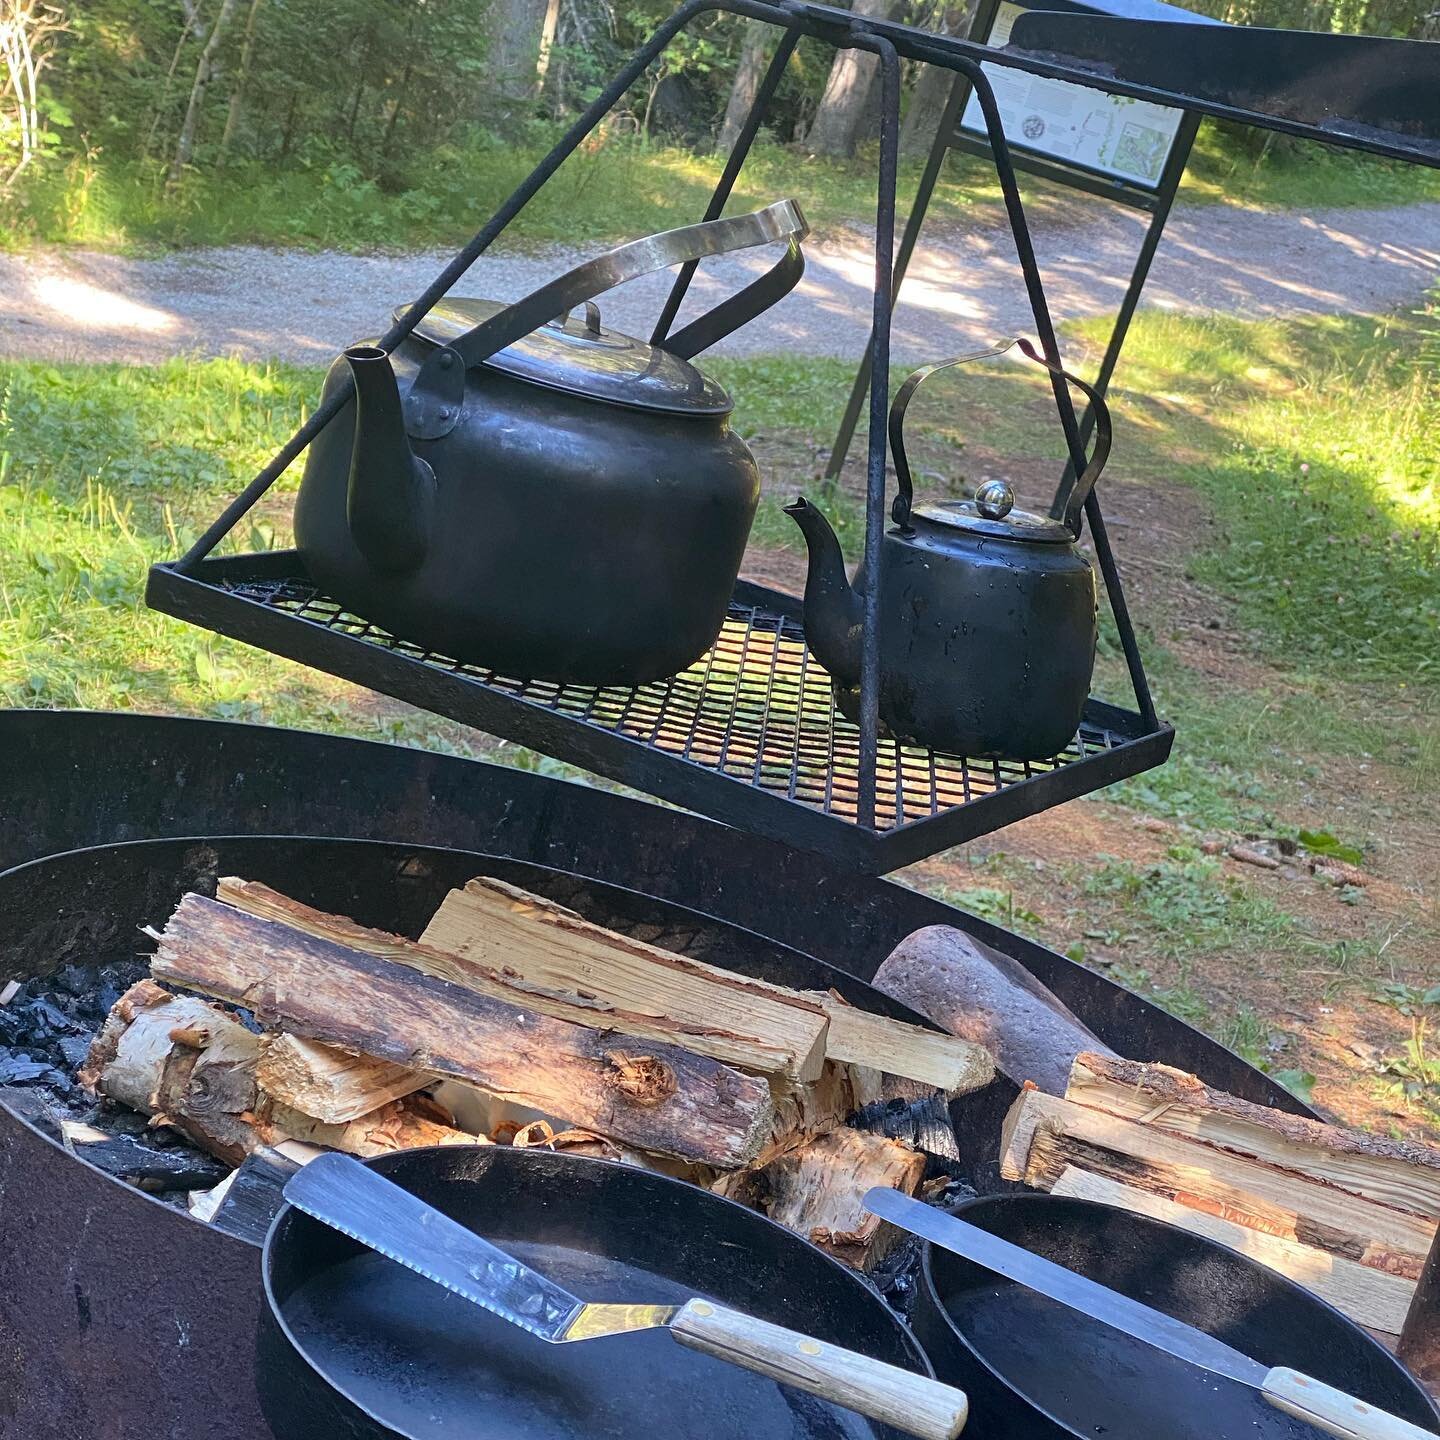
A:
(617, 187)
(621, 188)
(1185, 903)
(104, 469)
(1317, 445)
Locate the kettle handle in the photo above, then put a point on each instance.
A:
(432, 407)
(1067, 509)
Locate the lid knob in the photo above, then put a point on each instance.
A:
(995, 499)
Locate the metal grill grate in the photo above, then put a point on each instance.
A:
(756, 708)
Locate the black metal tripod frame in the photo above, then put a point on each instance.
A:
(889, 43)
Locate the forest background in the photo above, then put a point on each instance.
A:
(355, 123)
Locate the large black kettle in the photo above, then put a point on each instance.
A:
(987, 613)
(536, 493)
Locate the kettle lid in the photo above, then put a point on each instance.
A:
(583, 357)
(992, 512)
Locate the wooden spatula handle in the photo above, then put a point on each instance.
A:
(882, 1392)
(1333, 1410)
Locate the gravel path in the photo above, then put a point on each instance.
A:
(78, 305)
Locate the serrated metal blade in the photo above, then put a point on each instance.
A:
(352, 1198)
(1079, 1292)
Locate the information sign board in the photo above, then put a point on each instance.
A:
(1110, 135)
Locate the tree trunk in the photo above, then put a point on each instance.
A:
(204, 71)
(396, 107)
(747, 83)
(516, 39)
(237, 95)
(355, 106)
(288, 134)
(162, 104)
(837, 119)
(548, 29)
(932, 89)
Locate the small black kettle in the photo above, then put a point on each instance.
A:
(987, 613)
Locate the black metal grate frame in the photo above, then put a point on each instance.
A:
(756, 707)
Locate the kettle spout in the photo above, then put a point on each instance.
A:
(834, 612)
(392, 491)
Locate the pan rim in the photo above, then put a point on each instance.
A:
(1042, 1199)
(274, 1309)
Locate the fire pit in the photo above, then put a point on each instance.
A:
(138, 1319)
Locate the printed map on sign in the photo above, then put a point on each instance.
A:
(1129, 139)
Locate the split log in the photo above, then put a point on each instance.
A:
(1402, 1173)
(938, 1061)
(190, 1066)
(513, 949)
(817, 1190)
(654, 1097)
(986, 997)
(183, 1062)
(329, 1084)
(1043, 1135)
(803, 1114)
(513, 932)
(1370, 1297)
(509, 934)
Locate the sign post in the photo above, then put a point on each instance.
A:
(1128, 151)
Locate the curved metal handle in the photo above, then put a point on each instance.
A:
(1066, 509)
(439, 386)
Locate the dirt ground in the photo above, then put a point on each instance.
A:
(306, 306)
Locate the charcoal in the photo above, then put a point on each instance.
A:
(254, 1197)
(74, 980)
(20, 1069)
(141, 1163)
(921, 1120)
(897, 1275)
(53, 1019)
(32, 1106)
(74, 1049)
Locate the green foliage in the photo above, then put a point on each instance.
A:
(1409, 1000)
(1300, 1083)
(1187, 902)
(1322, 842)
(1199, 792)
(1235, 165)
(996, 904)
(359, 123)
(1317, 444)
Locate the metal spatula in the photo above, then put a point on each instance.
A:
(350, 1197)
(1299, 1395)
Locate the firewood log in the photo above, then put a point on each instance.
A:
(329, 1084)
(1370, 1297)
(191, 1066)
(651, 1096)
(509, 931)
(1044, 1134)
(759, 1034)
(1401, 1173)
(986, 997)
(817, 1190)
